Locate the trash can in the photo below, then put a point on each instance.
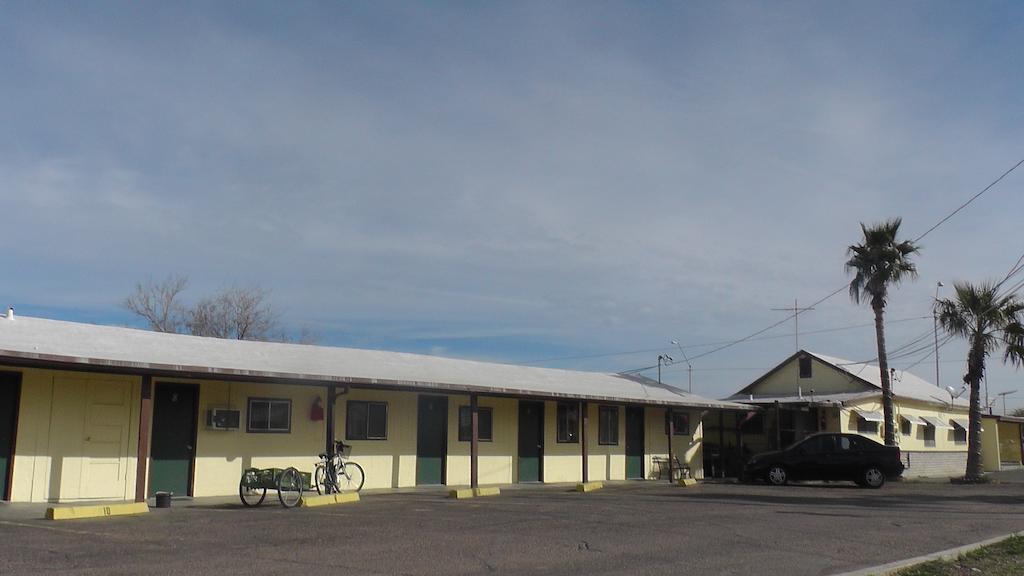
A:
(163, 499)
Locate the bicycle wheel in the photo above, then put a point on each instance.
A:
(350, 478)
(320, 479)
(250, 496)
(289, 488)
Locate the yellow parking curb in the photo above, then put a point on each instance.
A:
(687, 482)
(589, 486)
(490, 491)
(461, 493)
(329, 499)
(101, 511)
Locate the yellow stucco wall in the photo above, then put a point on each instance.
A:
(77, 436)
(562, 460)
(944, 439)
(221, 455)
(497, 458)
(1009, 442)
(990, 441)
(825, 379)
(607, 462)
(688, 449)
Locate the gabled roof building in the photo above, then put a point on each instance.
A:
(810, 392)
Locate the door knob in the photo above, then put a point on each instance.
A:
(188, 447)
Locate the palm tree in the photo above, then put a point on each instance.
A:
(878, 262)
(988, 321)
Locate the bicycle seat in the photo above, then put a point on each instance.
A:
(323, 455)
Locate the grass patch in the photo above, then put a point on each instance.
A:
(1003, 559)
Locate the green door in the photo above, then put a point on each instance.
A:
(174, 438)
(635, 442)
(10, 388)
(531, 441)
(431, 439)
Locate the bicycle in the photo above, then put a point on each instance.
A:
(336, 473)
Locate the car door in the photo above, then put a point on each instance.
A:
(848, 458)
(800, 459)
(811, 458)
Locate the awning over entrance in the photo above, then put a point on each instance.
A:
(914, 419)
(936, 422)
(870, 416)
(963, 424)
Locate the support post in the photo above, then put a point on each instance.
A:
(671, 433)
(142, 455)
(740, 460)
(332, 397)
(778, 426)
(474, 444)
(721, 443)
(583, 439)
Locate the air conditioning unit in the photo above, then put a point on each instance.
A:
(223, 418)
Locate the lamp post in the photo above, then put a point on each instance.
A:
(935, 323)
(669, 430)
(689, 367)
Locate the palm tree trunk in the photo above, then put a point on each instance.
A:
(975, 371)
(883, 367)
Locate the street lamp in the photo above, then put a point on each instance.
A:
(689, 367)
(935, 323)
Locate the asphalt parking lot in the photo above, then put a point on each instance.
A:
(627, 528)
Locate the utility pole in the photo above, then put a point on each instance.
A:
(796, 310)
(1004, 395)
(935, 322)
(689, 367)
(663, 359)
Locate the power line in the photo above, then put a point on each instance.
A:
(845, 286)
(972, 199)
(707, 344)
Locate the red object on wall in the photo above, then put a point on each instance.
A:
(316, 413)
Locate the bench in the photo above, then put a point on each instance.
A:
(678, 470)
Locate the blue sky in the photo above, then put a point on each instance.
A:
(516, 182)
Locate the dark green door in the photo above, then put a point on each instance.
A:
(10, 388)
(174, 438)
(634, 442)
(431, 439)
(531, 441)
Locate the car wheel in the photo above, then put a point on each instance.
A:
(777, 475)
(872, 477)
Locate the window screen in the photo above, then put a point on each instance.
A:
(269, 415)
(485, 424)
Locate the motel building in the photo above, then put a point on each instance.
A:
(810, 392)
(92, 412)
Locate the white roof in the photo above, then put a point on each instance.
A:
(48, 342)
(904, 385)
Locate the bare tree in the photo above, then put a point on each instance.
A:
(158, 303)
(236, 313)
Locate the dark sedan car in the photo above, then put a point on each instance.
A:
(828, 457)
